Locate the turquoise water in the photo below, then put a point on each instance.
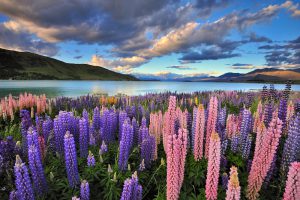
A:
(55, 88)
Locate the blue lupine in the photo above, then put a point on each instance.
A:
(143, 133)
(39, 123)
(83, 137)
(37, 171)
(71, 159)
(292, 144)
(268, 113)
(125, 145)
(245, 129)
(25, 124)
(84, 190)
(282, 110)
(144, 122)
(247, 147)
(22, 181)
(91, 160)
(85, 115)
(107, 124)
(132, 189)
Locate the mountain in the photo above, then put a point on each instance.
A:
(26, 66)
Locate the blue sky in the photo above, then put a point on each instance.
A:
(157, 38)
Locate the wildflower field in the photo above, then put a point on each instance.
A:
(203, 145)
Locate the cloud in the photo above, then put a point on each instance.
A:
(124, 65)
(180, 67)
(77, 57)
(12, 37)
(253, 37)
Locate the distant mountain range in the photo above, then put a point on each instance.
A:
(272, 75)
(30, 66)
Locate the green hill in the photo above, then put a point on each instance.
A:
(29, 66)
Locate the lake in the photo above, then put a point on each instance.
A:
(54, 88)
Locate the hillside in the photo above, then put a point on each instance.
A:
(27, 66)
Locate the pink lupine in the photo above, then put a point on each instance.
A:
(176, 154)
(233, 189)
(258, 117)
(199, 133)
(292, 188)
(213, 168)
(211, 122)
(263, 158)
(232, 125)
(169, 121)
(155, 129)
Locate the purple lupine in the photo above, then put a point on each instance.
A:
(85, 115)
(282, 111)
(223, 161)
(132, 189)
(6, 153)
(96, 119)
(122, 118)
(125, 145)
(107, 131)
(144, 122)
(83, 137)
(92, 140)
(224, 179)
(47, 127)
(33, 139)
(147, 149)
(25, 124)
(84, 190)
(135, 128)
(249, 164)
(234, 143)
(91, 160)
(39, 123)
(37, 171)
(195, 110)
(103, 148)
(268, 111)
(247, 147)
(13, 195)
(143, 133)
(71, 159)
(292, 144)
(142, 166)
(22, 181)
(58, 135)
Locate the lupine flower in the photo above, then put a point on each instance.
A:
(199, 133)
(263, 159)
(234, 143)
(25, 124)
(122, 118)
(292, 188)
(132, 189)
(84, 190)
(211, 122)
(32, 139)
(96, 119)
(13, 195)
(142, 165)
(71, 159)
(103, 148)
(176, 154)
(83, 137)
(37, 171)
(92, 140)
(23, 183)
(47, 127)
(292, 144)
(224, 179)
(147, 149)
(91, 160)
(125, 145)
(213, 168)
(169, 121)
(234, 189)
